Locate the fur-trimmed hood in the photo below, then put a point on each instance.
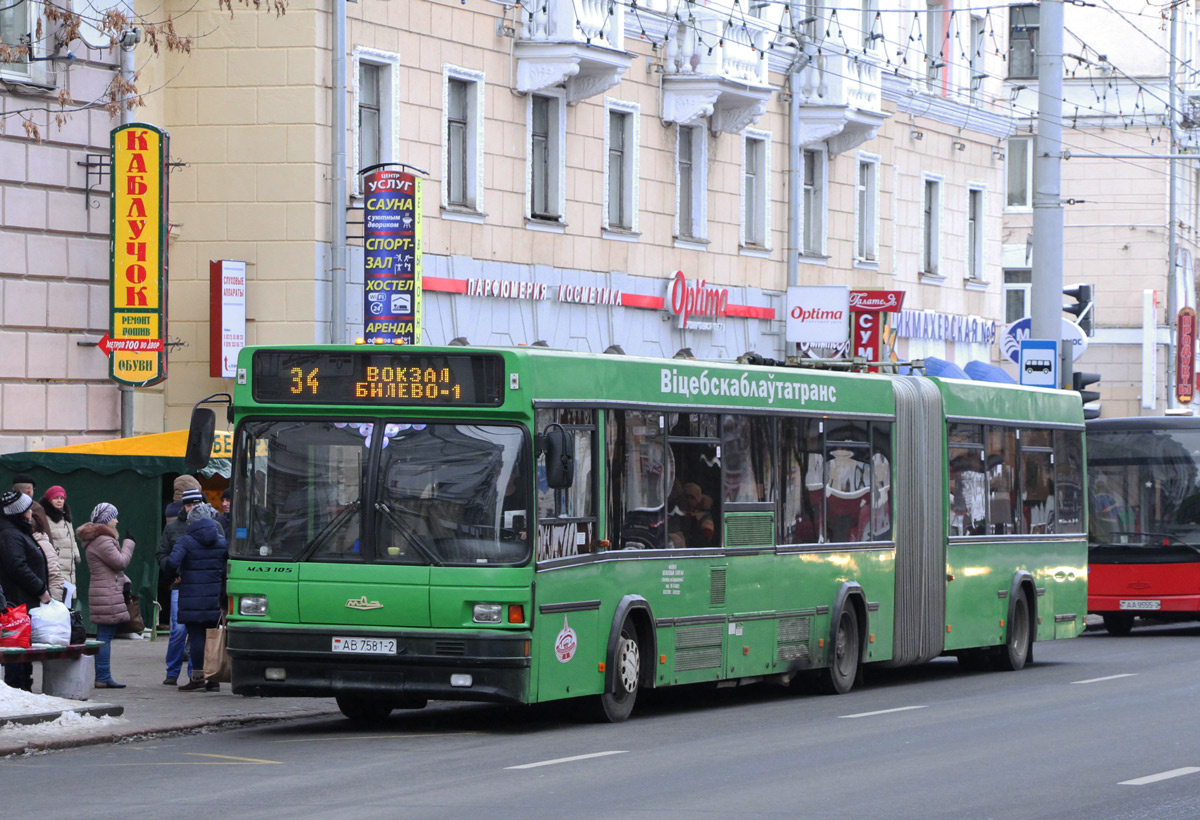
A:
(90, 532)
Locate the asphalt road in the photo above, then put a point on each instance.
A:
(1100, 727)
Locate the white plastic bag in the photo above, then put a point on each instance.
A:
(51, 624)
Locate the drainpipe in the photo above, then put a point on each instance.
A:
(337, 260)
(794, 153)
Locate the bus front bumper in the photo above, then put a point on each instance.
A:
(294, 662)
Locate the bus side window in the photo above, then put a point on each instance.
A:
(801, 481)
(567, 518)
(1068, 475)
(1037, 482)
(1001, 474)
(639, 465)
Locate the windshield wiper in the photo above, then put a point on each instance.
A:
(328, 530)
(419, 541)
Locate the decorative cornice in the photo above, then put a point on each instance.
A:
(913, 100)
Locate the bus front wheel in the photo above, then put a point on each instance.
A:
(838, 677)
(1015, 651)
(1118, 623)
(363, 710)
(617, 705)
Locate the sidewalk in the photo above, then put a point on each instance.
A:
(145, 707)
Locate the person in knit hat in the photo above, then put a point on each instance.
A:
(107, 559)
(24, 483)
(24, 576)
(61, 531)
(189, 497)
(200, 555)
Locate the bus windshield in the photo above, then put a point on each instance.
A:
(436, 494)
(1144, 489)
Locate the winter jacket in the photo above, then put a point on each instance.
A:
(171, 533)
(106, 561)
(23, 572)
(62, 536)
(54, 576)
(200, 556)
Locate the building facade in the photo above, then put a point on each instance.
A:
(584, 164)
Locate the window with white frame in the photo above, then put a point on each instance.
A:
(621, 166)
(975, 60)
(755, 189)
(1023, 22)
(936, 46)
(866, 209)
(376, 82)
(691, 182)
(815, 185)
(931, 225)
(871, 25)
(24, 33)
(1018, 160)
(547, 160)
(1018, 283)
(462, 139)
(975, 234)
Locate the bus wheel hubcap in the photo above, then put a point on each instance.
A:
(628, 662)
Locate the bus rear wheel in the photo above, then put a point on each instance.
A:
(1118, 623)
(838, 677)
(363, 710)
(616, 706)
(1015, 651)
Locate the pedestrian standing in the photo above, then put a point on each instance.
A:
(225, 519)
(172, 532)
(23, 573)
(200, 556)
(61, 531)
(24, 483)
(107, 558)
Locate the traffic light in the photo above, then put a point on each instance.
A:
(1082, 309)
(1080, 380)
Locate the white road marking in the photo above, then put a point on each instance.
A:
(566, 759)
(884, 711)
(1109, 677)
(1154, 778)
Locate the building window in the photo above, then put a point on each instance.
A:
(975, 61)
(1017, 285)
(691, 181)
(871, 25)
(755, 192)
(866, 211)
(1022, 41)
(462, 135)
(23, 33)
(813, 238)
(620, 170)
(375, 104)
(547, 134)
(931, 226)
(368, 115)
(1019, 172)
(935, 47)
(975, 234)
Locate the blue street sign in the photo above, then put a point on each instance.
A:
(1038, 364)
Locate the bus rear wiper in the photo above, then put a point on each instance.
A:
(328, 530)
(410, 533)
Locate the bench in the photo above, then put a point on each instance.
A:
(62, 666)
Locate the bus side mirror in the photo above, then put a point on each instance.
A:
(559, 447)
(201, 432)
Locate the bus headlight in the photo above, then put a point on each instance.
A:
(487, 613)
(252, 605)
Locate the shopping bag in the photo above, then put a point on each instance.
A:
(15, 628)
(78, 630)
(50, 624)
(135, 623)
(216, 658)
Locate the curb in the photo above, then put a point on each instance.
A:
(119, 735)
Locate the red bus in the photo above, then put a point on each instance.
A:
(1144, 530)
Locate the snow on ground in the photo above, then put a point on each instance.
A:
(15, 702)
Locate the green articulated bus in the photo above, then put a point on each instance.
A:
(522, 525)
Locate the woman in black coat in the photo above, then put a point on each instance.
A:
(24, 575)
(199, 555)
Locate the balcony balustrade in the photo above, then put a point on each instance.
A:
(579, 43)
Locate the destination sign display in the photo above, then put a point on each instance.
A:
(377, 378)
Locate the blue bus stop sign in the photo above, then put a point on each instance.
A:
(1038, 364)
